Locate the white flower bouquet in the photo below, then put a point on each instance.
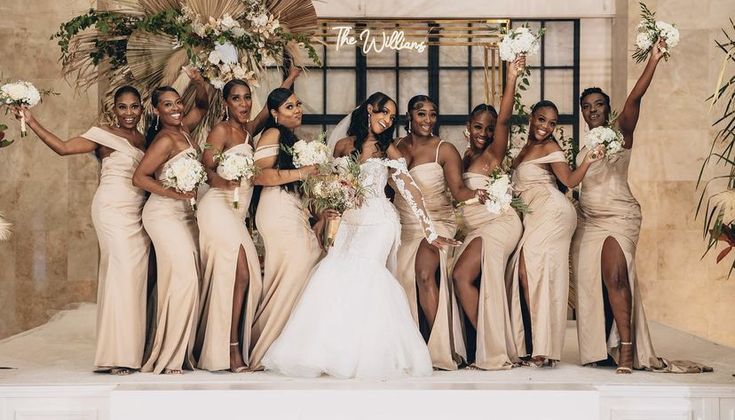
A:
(20, 94)
(609, 137)
(307, 153)
(235, 167)
(649, 31)
(185, 174)
(519, 41)
(500, 194)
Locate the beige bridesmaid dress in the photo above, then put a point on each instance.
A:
(173, 230)
(291, 251)
(124, 247)
(222, 233)
(607, 208)
(499, 233)
(547, 233)
(446, 340)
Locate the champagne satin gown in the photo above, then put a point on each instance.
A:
(173, 230)
(607, 208)
(446, 340)
(222, 233)
(499, 233)
(547, 234)
(291, 251)
(124, 247)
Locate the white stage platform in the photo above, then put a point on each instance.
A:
(52, 378)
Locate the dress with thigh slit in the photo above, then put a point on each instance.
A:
(499, 233)
(607, 208)
(222, 233)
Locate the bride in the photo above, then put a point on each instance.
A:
(353, 318)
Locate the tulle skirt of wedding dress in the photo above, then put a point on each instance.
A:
(353, 319)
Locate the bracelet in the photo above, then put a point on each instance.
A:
(299, 171)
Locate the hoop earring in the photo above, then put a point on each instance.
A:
(157, 120)
(227, 113)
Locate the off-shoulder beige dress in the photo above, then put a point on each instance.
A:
(124, 248)
(547, 234)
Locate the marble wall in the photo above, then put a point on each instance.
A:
(672, 139)
(51, 261)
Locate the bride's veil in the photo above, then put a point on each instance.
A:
(339, 132)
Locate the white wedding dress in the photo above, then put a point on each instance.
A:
(353, 319)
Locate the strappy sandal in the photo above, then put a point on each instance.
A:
(239, 369)
(624, 370)
(121, 371)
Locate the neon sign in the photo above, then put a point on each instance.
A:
(396, 40)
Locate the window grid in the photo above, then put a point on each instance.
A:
(434, 69)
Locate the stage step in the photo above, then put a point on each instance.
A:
(355, 401)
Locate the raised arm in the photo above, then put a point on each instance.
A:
(565, 174)
(201, 99)
(259, 121)
(501, 134)
(73, 146)
(452, 164)
(268, 176)
(628, 118)
(216, 143)
(144, 176)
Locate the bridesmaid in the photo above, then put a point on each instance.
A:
(169, 220)
(541, 262)
(231, 282)
(491, 238)
(116, 214)
(291, 249)
(423, 269)
(603, 250)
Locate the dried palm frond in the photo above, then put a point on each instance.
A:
(216, 8)
(121, 44)
(298, 16)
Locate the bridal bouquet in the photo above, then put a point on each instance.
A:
(185, 174)
(338, 190)
(607, 136)
(649, 31)
(307, 153)
(20, 94)
(235, 167)
(519, 41)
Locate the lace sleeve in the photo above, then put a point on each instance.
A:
(412, 194)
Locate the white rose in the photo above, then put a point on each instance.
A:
(217, 83)
(643, 41)
(227, 52)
